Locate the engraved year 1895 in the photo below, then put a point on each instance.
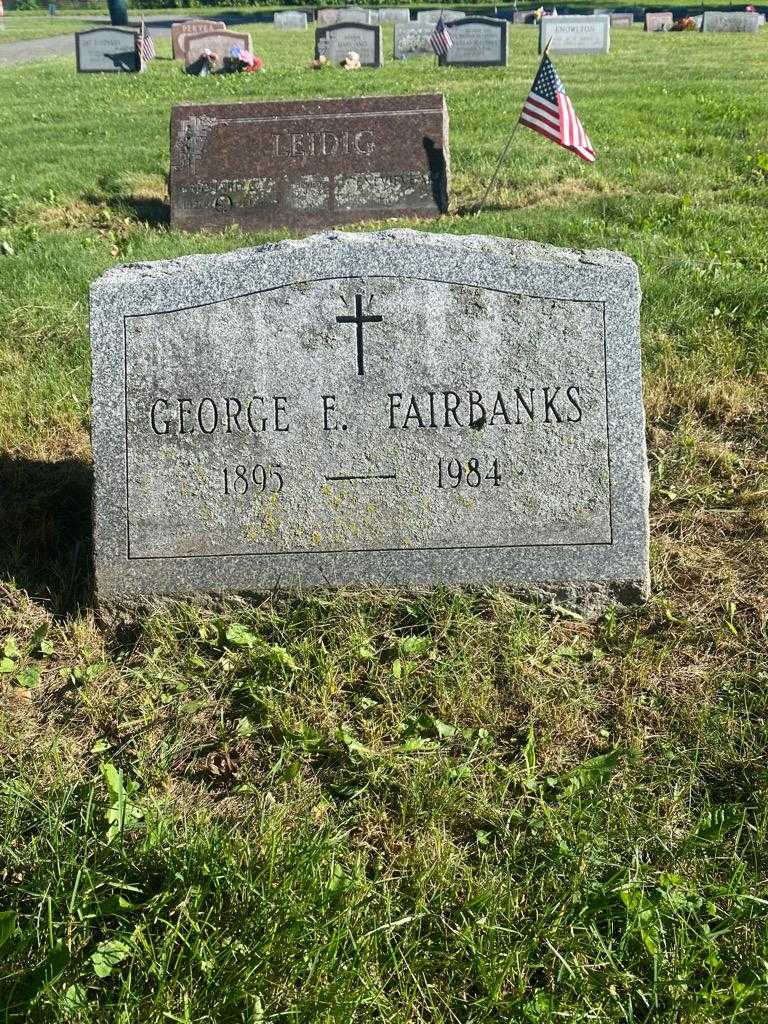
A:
(258, 479)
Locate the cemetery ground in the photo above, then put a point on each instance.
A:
(444, 807)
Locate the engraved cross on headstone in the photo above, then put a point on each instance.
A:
(359, 319)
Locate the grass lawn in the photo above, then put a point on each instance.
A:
(443, 808)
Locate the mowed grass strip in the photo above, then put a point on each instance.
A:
(402, 809)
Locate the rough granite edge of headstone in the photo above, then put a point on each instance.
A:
(513, 250)
(590, 600)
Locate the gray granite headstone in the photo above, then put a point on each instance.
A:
(621, 20)
(290, 19)
(523, 18)
(731, 21)
(386, 15)
(107, 49)
(412, 40)
(357, 15)
(576, 33)
(433, 16)
(328, 15)
(398, 409)
(477, 43)
(336, 41)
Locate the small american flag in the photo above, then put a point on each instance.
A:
(440, 40)
(549, 112)
(146, 45)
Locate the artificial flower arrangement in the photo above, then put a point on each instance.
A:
(685, 25)
(319, 63)
(208, 61)
(240, 59)
(352, 61)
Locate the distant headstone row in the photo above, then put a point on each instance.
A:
(381, 15)
(477, 42)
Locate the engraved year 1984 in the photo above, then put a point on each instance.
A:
(472, 473)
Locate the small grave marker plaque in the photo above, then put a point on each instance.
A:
(477, 43)
(385, 409)
(107, 50)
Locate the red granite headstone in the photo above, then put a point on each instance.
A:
(216, 41)
(181, 30)
(308, 163)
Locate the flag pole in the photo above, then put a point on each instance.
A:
(492, 182)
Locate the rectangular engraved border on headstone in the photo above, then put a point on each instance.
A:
(400, 409)
(459, 56)
(576, 34)
(288, 164)
(130, 60)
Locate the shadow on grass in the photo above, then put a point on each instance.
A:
(144, 209)
(152, 212)
(45, 529)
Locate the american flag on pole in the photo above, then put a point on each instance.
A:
(549, 111)
(440, 40)
(146, 45)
